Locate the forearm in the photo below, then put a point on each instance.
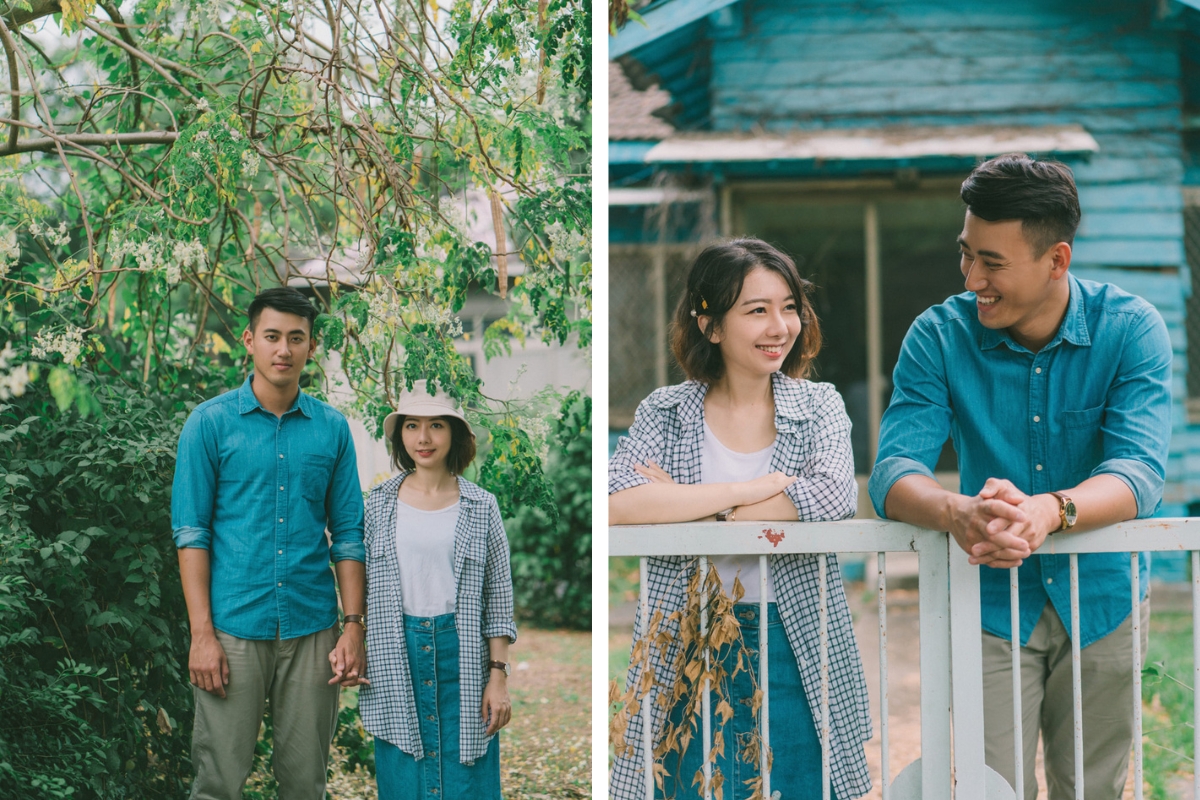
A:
(1100, 500)
(195, 574)
(352, 585)
(777, 508)
(498, 649)
(920, 500)
(671, 502)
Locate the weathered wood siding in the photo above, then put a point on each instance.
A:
(1110, 66)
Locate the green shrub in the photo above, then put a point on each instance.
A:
(552, 563)
(94, 693)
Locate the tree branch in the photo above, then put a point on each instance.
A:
(92, 139)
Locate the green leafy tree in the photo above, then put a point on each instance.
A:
(160, 163)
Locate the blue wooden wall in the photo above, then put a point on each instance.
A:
(1111, 66)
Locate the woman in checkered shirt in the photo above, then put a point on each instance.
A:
(439, 595)
(748, 438)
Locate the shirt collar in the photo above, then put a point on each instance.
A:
(789, 406)
(247, 401)
(1074, 327)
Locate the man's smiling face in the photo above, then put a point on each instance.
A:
(1014, 286)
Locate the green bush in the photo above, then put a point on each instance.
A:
(94, 694)
(552, 562)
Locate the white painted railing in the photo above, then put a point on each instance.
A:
(951, 677)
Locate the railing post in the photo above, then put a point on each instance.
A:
(1076, 676)
(935, 660)
(706, 700)
(823, 623)
(1014, 602)
(966, 675)
(645, 709)
(764, 575)
(886, 786)
(1136, 619)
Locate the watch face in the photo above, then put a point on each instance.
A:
(1069, 511)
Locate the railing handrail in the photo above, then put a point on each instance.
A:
(875, 536)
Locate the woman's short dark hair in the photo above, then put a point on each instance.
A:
(462, 446)
(1041, 194)
(713, 286)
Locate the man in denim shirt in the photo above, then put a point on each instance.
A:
(1056, 394)
(261, 473)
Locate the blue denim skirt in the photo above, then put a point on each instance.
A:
(432, 644)
(795, 745)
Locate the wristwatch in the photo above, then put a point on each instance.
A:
(1066, 511)
(354, 618)
(500, 665)
(728, 515)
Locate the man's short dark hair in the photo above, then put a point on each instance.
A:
(1041, 194)
(286, 300)
(713, 286)
(462, 446)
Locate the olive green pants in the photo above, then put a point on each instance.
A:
(293, 674)
(1047, 704)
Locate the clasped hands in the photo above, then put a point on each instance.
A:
(1002, 526)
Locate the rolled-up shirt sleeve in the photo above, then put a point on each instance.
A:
(825, 489)
(193, 490)
(497, 581)
(917, 421)
(344, 503)
(1136, 430)
(644, 444)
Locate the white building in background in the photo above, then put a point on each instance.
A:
(529, 369)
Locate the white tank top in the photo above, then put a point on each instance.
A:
(719, 464)
(425, 555)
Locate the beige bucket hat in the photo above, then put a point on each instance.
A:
(420, 403)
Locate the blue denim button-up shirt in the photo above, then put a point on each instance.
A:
(258, 491)
(1095, 400)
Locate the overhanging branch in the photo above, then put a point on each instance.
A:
(92, 140)
(16, 17)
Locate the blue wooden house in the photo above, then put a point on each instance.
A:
(841, 131)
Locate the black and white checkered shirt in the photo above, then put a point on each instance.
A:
(813, 443)
(483, 610)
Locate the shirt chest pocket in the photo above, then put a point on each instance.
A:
(1081, 435)
(316, 471)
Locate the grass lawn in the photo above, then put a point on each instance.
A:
(1167, 706)
(545, 751)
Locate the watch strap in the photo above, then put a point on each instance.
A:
(500, 665)
(359, 618)
(1063, 500)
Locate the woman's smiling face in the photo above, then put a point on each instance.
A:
(427, 440)
(760, 328)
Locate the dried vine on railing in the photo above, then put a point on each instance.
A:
(699, 658)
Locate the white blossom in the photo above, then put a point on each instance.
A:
(13, 384)
(251, 161)
(10, 251)
(185, 254)
(69, 343)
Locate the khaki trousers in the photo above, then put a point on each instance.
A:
(294, 675)
(1047, 703)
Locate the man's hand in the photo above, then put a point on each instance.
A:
(208, 668)
(1041, 510)
(349, 658)
(989, 527)
(496, 708)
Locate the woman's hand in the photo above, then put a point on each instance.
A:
(496, 709)
(764, 488)
(654, 472)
